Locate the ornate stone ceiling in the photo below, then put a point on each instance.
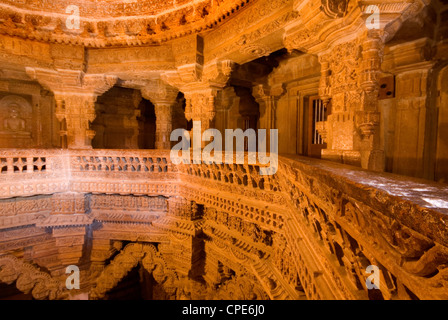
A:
(106, 22)
(140, 40)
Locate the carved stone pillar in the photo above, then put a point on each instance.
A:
(131, 122)
(202, 87)
(267, 98)
(348, 38)
(163, 97)
(222, 117)
(350, 83)
(368, 118)
(200, 106)
(75, 93)
(78, 112)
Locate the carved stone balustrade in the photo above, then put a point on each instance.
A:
(309, 231)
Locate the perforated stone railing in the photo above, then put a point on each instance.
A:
(34, 172)
(123, 172)
(119, 163)
(336, 221)
(314, 226)
(351, 218)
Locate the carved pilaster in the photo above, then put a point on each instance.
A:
(324, 84)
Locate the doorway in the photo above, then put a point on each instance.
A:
(314, 112)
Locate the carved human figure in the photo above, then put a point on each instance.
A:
(14, 122)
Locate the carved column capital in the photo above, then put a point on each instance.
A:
(75, 93)
(159, 92)
(187, 77)
(217, 73)
(201, 86)
(263, 92)
(200, 104)
(62, 81)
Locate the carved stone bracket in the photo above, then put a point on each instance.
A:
(28, 278)
(201, 86)
(325, 22)
(75, 93)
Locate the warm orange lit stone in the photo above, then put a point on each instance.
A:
(90, 92)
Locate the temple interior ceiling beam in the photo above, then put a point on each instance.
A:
(260, 28)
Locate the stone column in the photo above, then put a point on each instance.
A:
(164, 125)
(222, 117)
(75, 93)
(163, 97)
(350, 84)
(267, 98)
(200, 106)
(78, 112)
(202, 86)
(368, 118)
(131, 122)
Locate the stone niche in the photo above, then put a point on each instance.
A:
(16, 121)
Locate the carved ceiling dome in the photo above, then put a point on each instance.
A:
(113, 22)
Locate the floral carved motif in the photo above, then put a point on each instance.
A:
(28, 278)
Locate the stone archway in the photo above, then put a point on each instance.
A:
(126, 260)
(28, 278)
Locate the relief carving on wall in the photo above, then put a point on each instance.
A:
(335, 8)
(16, 113)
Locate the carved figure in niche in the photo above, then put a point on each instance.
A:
(14, 122)
(15, 112)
